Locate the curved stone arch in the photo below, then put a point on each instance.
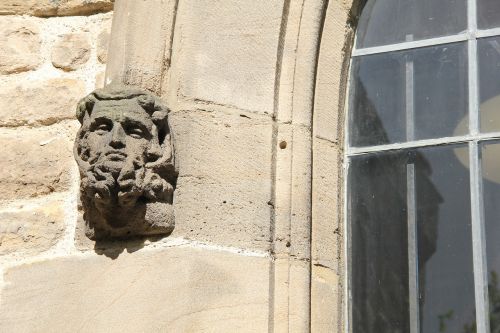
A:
(294, 103)
(305, 116)
(328, 239)
(310, 102)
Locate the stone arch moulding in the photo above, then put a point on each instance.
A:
(306, 233)
(328, 247)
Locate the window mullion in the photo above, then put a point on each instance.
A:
(409, 96)
(413, 286)
(478, 241)
(411, 200)
(478, 236)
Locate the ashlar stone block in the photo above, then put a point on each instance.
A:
(332, 73)
(224, 188)
(230, 58)
(327, 237)
(326, 305)
(178, 289)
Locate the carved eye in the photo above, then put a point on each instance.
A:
(135, 132)
(102, 129)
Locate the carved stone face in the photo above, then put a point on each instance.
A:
(125, 154)
(120, 132)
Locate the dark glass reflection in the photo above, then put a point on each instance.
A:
(491, 197)
(392, 21)
(379, 264)
(489, 83)
(410, 95)
(380, 210)
(488, 14)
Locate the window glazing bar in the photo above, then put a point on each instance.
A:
(472, 34)
(473, 88)
(410, 45)
(409, 94)
(488, 33)
(352, 151)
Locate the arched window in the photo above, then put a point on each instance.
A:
(423, 167)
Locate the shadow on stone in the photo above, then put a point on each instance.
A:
(113, 248)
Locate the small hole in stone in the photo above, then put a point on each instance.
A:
(288, 244)
(283, 144)
(224, 201)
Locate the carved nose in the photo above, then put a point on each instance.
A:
(118, 137)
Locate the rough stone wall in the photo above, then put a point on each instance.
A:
(46, 65)
(257, 92)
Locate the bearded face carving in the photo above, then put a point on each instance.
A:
(124, 151)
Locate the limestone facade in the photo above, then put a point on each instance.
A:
(257, 93)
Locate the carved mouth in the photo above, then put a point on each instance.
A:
(115, 155)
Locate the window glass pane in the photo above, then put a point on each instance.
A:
(429, 190)
(392, 21)
(446, 278)
(488, 14)
(489, 83)
(409, 95)
(379, 243)
(491, 198)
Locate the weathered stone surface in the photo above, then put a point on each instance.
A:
(140, 49)
(331, 81)
(224, 188)
(125, 155)
(291, 295)
(99, 80)
(43, 102)
(31, 229)
(102, 46)
(300, 190)
(327, 233)
(34, 161)
(46, 8)
(167, 290)
(327, 287)
(71, 51)
(299, 296)
(230, 59)
(326, 300)
(19, 45)
(327, 237)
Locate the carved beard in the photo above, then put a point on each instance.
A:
(118, 189)
(121, 183)
(112, 182)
